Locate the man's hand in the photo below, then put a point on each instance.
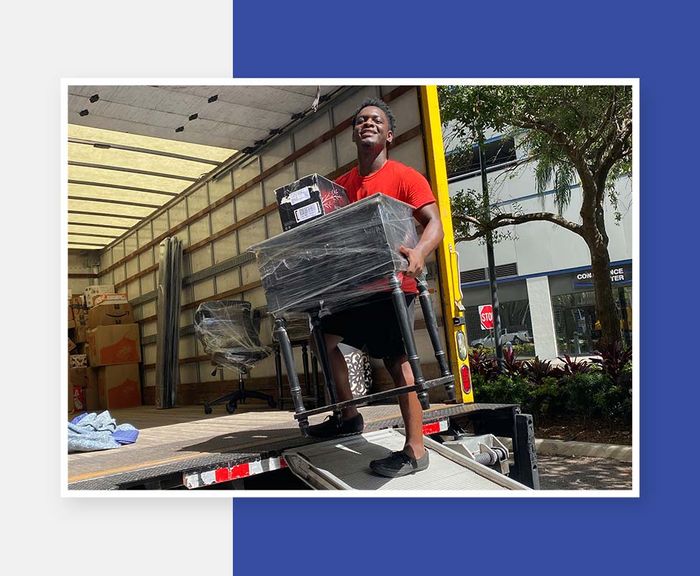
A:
(429, 218)
(416, 261)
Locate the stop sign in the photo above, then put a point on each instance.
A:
(486, 317)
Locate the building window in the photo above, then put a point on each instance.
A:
(464, 160)
(575, 323)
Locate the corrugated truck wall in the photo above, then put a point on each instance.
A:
(221, 217)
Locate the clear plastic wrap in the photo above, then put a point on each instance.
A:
(226, 330)
(337, 260)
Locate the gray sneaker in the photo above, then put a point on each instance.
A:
(399, 464)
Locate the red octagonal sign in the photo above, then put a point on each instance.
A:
(486, 317)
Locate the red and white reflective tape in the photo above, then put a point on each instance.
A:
(435, 427)
(226, 474)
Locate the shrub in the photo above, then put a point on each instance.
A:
(546, 391)
(537, 370)
(614, 358)
(574, 366)
(511, 365)
(502, 390)
(481, 363)
(579, 393)
(525, 349)
(547, 398)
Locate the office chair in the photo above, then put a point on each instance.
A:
(227, 331)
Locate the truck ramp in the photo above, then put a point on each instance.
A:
(343, 464)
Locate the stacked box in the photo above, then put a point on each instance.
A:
(115, 344)
(110, 298)
(110, 313)
(119, 386)
(92, 291)
(77, 383)
(307, 199)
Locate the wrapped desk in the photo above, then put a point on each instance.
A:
(335, 262)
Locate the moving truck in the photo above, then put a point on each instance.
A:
(218, 206)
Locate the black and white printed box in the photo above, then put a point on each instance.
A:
(308, 198)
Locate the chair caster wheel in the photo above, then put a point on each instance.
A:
(231, 408)
(207, 409)
(271, 403)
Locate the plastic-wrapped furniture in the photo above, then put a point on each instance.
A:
(230, 336)
(334, 262)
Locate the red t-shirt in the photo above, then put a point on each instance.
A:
(393, 179)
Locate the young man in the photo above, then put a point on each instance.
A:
(372, 324)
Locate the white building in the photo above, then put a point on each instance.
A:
(543, 270)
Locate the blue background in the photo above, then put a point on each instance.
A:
(658, 44)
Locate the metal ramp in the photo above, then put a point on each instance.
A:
(343, 464)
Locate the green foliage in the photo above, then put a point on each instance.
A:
(502, 389)
(550, 392)
(566, 128)
(614, 359)
(575, 134)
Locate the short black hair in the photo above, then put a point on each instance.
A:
(377, 103)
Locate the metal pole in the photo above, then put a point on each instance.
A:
(491, 261)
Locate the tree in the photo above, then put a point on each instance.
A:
(571, 131)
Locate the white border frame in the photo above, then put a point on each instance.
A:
(634, 492)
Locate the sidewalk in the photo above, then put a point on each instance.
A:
(582, 465)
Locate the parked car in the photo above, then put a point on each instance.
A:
(513, 337)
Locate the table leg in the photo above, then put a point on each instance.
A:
(286, 350)
(431, 325)
(323, 357)
(278, 376)
(407, 334)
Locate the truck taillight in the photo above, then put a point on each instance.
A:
(466, 378)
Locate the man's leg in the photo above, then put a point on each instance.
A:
(350, 421)
(411, 410)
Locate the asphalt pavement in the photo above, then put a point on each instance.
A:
(583, 473)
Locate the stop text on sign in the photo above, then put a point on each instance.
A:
(486, 316)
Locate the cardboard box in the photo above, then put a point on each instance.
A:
(80, 334)
(119, 386)
(92, 291)
(109, 314)
(308, 198)
(79, 399)
(71, 405)
(110, 298)
(92, 397)
(117, 344)
(78, 377)
(77, 383)
(77, 361)
(77, 300)
(80, 315)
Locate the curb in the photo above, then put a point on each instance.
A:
(548, 447)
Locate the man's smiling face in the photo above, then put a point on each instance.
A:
(372, 128)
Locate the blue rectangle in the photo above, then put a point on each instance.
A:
(513, 40)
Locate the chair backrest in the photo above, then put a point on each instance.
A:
(228, 333)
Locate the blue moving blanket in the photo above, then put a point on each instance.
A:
(88, 432)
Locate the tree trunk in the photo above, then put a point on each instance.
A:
(605, 310)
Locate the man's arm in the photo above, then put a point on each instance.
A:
(429, 218)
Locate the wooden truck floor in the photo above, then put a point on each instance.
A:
(177, 440)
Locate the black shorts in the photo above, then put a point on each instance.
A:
(371, 326)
